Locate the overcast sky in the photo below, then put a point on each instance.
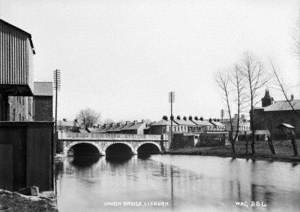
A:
(122, 57)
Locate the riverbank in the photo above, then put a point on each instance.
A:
(16, 202)
(283, 149)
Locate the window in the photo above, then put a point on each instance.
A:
(14, 115)
(29, 106)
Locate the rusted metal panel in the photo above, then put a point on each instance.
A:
(16, 53)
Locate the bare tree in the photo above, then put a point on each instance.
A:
(239, 89)
(283, 90)
(223, 81)
(291, 104)
(256, 78)
(88, 117)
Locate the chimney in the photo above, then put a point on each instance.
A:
(267, 99)
(292, 97)
(178, 117)
(184, 118)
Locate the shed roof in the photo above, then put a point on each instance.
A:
(286, 125)
(20, 30)
(43, 89)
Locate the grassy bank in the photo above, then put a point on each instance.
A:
(283, 148)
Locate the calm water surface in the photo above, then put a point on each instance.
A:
(177, 183)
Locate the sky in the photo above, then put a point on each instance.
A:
(122, 57)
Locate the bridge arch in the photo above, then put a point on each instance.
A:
(148, 148)
(119, 149)
(88, 147)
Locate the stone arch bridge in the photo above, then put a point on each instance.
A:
(103, 141)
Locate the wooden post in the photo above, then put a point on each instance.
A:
(294, 144)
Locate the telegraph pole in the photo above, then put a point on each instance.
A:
(57, 84)
(171, 100)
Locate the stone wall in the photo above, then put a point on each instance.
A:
(182, 141)
(211, 139)
(15, 202)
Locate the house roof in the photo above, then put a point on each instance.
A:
(202, 123)
(184, 122)
(163, 123)
(113, 127)
(283, 105)
(135, 126)
(20, 30)
(216, 123)
(43, 89)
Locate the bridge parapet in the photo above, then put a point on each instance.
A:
(108, 136)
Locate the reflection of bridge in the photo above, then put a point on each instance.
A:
(103, 142)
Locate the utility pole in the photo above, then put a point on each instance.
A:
(171, 100)
(57, 85)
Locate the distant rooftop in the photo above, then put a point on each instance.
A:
(43, 89)
(163, 122)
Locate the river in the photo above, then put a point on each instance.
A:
(177, 183)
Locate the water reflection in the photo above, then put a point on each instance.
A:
(84, 161)
(186, 183)
(117, 161)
